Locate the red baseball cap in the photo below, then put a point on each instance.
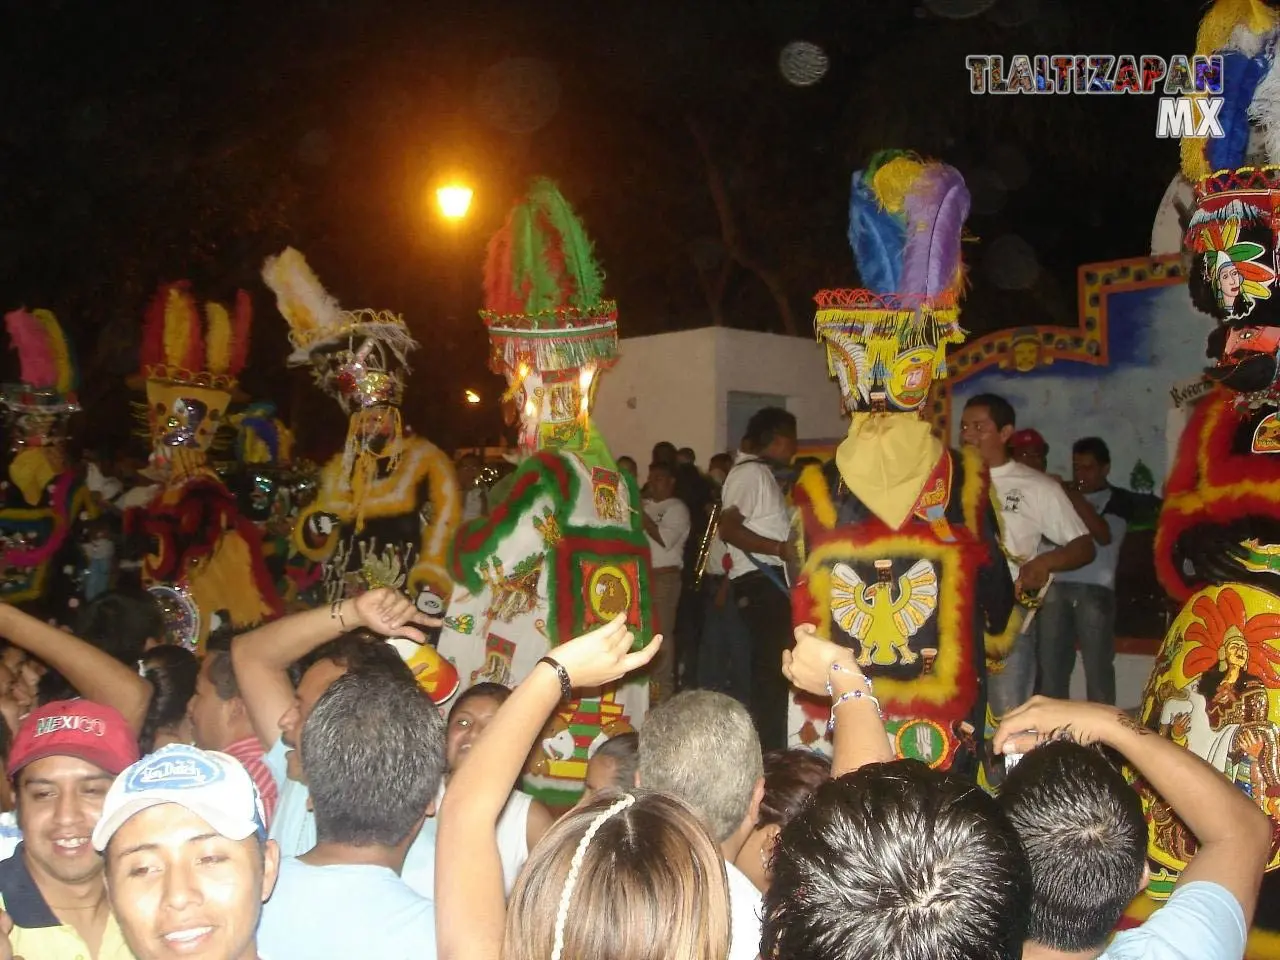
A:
(82, 729)
(1028, 439)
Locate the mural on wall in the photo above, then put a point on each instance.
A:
(1138, 342)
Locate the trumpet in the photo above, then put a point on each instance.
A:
(704, 548)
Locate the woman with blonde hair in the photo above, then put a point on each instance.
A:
(628, 876)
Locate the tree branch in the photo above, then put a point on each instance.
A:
(729, 231)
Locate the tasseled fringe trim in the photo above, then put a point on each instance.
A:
(562, 349)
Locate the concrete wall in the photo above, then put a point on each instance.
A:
(675, 386)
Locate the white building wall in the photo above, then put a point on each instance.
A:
(676, 386)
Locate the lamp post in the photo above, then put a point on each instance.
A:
(454, 200)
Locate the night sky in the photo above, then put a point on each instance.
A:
(147, 142)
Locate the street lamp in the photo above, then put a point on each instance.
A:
(454, 200)
(472, 397)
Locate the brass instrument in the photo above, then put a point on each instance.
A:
(704, 548)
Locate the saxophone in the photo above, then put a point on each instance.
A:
(704, 548)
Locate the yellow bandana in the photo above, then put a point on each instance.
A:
(886, 460)
(31, 472)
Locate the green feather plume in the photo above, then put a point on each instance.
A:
(579, 258)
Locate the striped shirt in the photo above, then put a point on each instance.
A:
(249, 752)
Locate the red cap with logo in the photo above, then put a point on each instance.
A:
(1028, 440)
(82, 729)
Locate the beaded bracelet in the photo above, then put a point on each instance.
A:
(836, 668)
(845, 698)
(335, 613)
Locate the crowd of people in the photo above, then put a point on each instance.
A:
(322, 806)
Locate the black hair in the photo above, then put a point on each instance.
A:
(222, 674)
(664, 466)
(998, 408)
(897, 861)
(490, 691)
(120, 623)
(688, 452)
(624, 751)
(767, 423)
(1094, 447)
(172, 673)
(359, 651)
(664, 452)
(790, 779)
(373, 749)
(1082, 828)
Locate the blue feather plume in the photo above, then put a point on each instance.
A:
(877, 238)
(1241, 75)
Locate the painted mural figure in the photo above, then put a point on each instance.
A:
(563, 548)
(388, 504)
(901, 557)
(1216, 683)
(202, 556)
(45, 507)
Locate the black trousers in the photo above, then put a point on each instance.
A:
(766, 609)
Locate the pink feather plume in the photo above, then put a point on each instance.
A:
(28, 336)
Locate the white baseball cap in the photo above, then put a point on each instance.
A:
(213, 786)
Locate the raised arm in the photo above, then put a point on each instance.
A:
(262, 657)
(96, 675)
(470, 904)
(1234, 835)
(822, 668)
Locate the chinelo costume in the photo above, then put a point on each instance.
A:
(388, 504)
(44, 503)
(564, 550)
(1216, 683)
(202, 557)
(900, 558)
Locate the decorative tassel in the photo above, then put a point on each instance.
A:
(219, 338)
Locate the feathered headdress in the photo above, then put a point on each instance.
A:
(48, 376)
(886, 342)
(544, 291)
(37, 408)
(182, 346)
(358, 356)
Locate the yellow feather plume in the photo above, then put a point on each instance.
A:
(892, 181)
(218, 338)
(301, 299)
(180, 321)
(58, 349)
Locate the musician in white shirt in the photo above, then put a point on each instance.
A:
(666, 524)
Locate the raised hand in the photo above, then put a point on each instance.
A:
(603, 655)
(1042, 718)
(389, 613)
(808, 665)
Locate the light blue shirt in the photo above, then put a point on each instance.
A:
(1201, 921)
(1101, 571)
(343, 911)
(294, 827)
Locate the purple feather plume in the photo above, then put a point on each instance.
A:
(936, 207)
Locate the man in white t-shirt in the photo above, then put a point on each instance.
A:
(1082, 827)
(755, 524)
(1039, 528)
(666, 524)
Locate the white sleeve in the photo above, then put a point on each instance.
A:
(744, 489)
(675, 526)
(1059, 522)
